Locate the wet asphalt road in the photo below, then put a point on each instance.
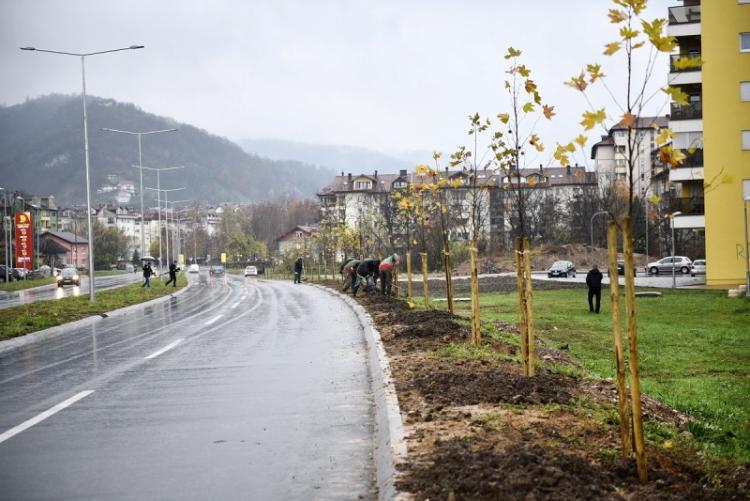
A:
(233, 390)
(15, 298)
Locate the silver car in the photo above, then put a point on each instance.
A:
(679, 263)
(699, 267)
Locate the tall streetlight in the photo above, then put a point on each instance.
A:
(173, 203)
(92, 292)
(158, 197)
(166, 195)
(6, 242)
(140, 164)
(671, 223)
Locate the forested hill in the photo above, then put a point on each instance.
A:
(41, 152)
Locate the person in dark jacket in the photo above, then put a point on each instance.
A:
(147, 272)
(594, 282)
(173, 269)
(298, 267)
(348, 272)
(367, 272)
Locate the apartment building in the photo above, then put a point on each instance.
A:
(713, 129)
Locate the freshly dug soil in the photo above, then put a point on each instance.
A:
(476, 428)
(462, 388)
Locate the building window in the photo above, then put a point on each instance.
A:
(362, 185)
(744, 42)
(745, 88)
(746, 139)
(298, 234)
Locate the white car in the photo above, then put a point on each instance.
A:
(194, 268)
(699, 267)
(251, 271)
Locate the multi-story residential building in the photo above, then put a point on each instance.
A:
(714, 126)
(611, 154)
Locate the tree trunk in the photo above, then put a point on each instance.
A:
(425, 287)
(476, 333)
(448, 279)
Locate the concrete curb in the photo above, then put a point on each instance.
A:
(390, 446)
(35, 337)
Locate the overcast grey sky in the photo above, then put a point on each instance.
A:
(389, 75)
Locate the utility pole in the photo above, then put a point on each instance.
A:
(158, 201)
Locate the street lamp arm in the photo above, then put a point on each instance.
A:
(82, 54)
(158, 168)
(137, 133)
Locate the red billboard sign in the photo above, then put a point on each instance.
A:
(24, 241)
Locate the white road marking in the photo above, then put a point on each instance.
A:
(165, 349)
(213, 320)
(44, 415)
(243, 297)
(235, 305)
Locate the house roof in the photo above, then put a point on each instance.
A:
(606, 141)
(305, 229)
(66, 236)
(644, 123)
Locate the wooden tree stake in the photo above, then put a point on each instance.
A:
(635, 381)
(408, 276)
(614, 294)
(521, 288)
(530, 343)
(425, 288)
(448, 279)
(476, 330)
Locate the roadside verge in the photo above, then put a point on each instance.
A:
(390, 446)
(40, 335)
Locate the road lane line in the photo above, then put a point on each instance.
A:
(213, 320)
(243, 297)
(44, 415)
(235, 305)
(165, 349)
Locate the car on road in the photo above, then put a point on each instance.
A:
(251, 271)
(563, 269)
(194, 268)
(699, 267)
(216, 271)
(621, 268)
(679, 263)
(68, 276)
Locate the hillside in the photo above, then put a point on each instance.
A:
(41, 151)
(340, 158)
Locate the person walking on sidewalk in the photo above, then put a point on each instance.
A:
(348, 273)
(147, 272)
(298, 267)
(386, 273)
(594, 282)
(173, 269)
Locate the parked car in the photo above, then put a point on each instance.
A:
(681, 263)
(621, 268)
(20, 273)
(3, 269)
(699, 267)
(68, 276)
(562, 269)
(216, 271)
(251, 271)
(194, 268)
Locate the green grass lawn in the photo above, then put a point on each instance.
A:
(20, 320)
(694, 349)
(26, 284)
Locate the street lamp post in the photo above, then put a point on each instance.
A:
(140, 169)
(5, 231)
(166, 217)
(158, 198)
(92, 293)
(671, 220)
(177, 247)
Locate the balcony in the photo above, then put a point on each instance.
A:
(692, 111)
(673, 58)
(689, 206)
(685, 15)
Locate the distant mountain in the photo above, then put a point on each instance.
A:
(41, 152)
(340, 158)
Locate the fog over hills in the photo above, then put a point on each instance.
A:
(354, 159)
(41, 152)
